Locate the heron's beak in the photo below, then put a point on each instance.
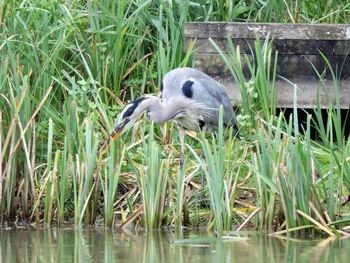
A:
(118, 130)
(114, 135)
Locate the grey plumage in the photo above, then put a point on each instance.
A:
(189, 96)
(205, 91)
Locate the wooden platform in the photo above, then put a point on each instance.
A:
(298, 46)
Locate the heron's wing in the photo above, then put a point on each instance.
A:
(203, 90)
(212, 94)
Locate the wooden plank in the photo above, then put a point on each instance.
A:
(308, 90)
(274, 30)
(298, 45)
(287, 65)
(284, 46)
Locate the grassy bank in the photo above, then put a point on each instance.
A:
(68, 67)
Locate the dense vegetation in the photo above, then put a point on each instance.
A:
(69, 66)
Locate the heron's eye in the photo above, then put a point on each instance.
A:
(125, 120)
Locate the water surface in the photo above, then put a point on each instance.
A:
(100, 245)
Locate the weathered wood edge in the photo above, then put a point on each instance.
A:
(263, 30)
(285, 46)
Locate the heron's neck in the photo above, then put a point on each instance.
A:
(161, 111)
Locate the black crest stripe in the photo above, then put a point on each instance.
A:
(134, 104)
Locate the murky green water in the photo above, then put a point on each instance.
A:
(98, 245)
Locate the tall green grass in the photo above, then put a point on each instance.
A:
(221, 175)
(153, 180)
(257, 87)
(61, 63)
(287, 161)
(302, 11)
(109, 184)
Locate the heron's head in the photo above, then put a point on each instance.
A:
(127, 118)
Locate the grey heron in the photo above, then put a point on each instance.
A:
(189, 97)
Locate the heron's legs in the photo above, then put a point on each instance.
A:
(182, 147)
